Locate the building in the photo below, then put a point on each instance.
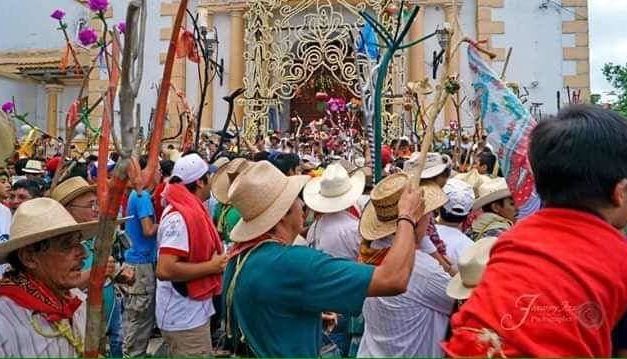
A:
(310, 40)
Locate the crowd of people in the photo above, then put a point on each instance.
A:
(292, 251)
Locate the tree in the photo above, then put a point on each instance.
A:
(617, 76)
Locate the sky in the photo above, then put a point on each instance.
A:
(608, 39)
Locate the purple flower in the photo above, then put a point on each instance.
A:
(122, 27)
(58, 14)
(87, 36)
(8, 107)
(98, 5)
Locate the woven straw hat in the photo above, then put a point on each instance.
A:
(379, 217)
(263, 195)
(34, 167)
(70, 189)
(334, 191)
(52, 220)
(492, 190)
(471, 264)
(227, 173)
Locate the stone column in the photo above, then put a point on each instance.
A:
(417, 52)
(236, 56)
(451, 13)
(52, 118)
(206, 121)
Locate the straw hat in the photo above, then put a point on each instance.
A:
(474, 179)
(334, 191)
(435, 164)
(471, 264)
(52, 220)
(379, 217)
(263, 195)
(224, 177)
(492, 190)
(34, 167)
(220, 162)
(70, 189)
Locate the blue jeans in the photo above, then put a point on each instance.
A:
(114, 330)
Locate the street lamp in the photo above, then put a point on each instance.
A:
(210, 42)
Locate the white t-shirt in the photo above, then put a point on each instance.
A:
(5, 229)
(336, 234)
(173, 311)
(456, 242)
(411, 324)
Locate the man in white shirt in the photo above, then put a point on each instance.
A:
(5, 213)
(460, 200)
(190, 261)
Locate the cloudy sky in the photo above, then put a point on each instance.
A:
(608, 38)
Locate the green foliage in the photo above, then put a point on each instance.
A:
(617, 76)
(595, 98)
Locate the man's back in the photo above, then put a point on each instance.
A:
(143, 248)
(556, 284)
(413, 323)
(280, 292)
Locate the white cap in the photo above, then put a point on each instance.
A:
(190, 168)
(460, 195)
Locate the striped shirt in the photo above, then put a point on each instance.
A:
(19, 338)
(411, 324)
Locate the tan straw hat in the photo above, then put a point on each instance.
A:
(39, 219)
(222, 180)
(334, 191)
(68, 190)
(34, 167)
(492, 190)
(471, 264)
(379, 217)
(474, 179)
(263, 195)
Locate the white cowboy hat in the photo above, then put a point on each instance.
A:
(435, 164)
(379, 217)
(33, 167)
(263, 195)
(51, 219)
(471, 264)
(68, 190)
(334, 191)
(492, 190)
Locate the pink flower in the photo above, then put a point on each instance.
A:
(87, 36)
(122, 27)
(98, 5)
(58, 14)
(8, 107)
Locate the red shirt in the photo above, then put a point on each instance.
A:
(555, 285)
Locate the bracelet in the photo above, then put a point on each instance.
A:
(408, 219)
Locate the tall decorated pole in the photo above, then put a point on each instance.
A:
(392, 43)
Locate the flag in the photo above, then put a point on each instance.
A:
(508, 125)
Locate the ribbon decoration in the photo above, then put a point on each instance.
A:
(187, 47)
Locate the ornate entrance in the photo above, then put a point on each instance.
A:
(288, 43)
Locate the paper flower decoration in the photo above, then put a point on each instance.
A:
(122, 27)
(87, 36)
(8, 107)
(58, 14)
(98, 5)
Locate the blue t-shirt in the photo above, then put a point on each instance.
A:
(281, 292)
(143, 249)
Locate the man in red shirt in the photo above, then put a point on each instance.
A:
(556, 284)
